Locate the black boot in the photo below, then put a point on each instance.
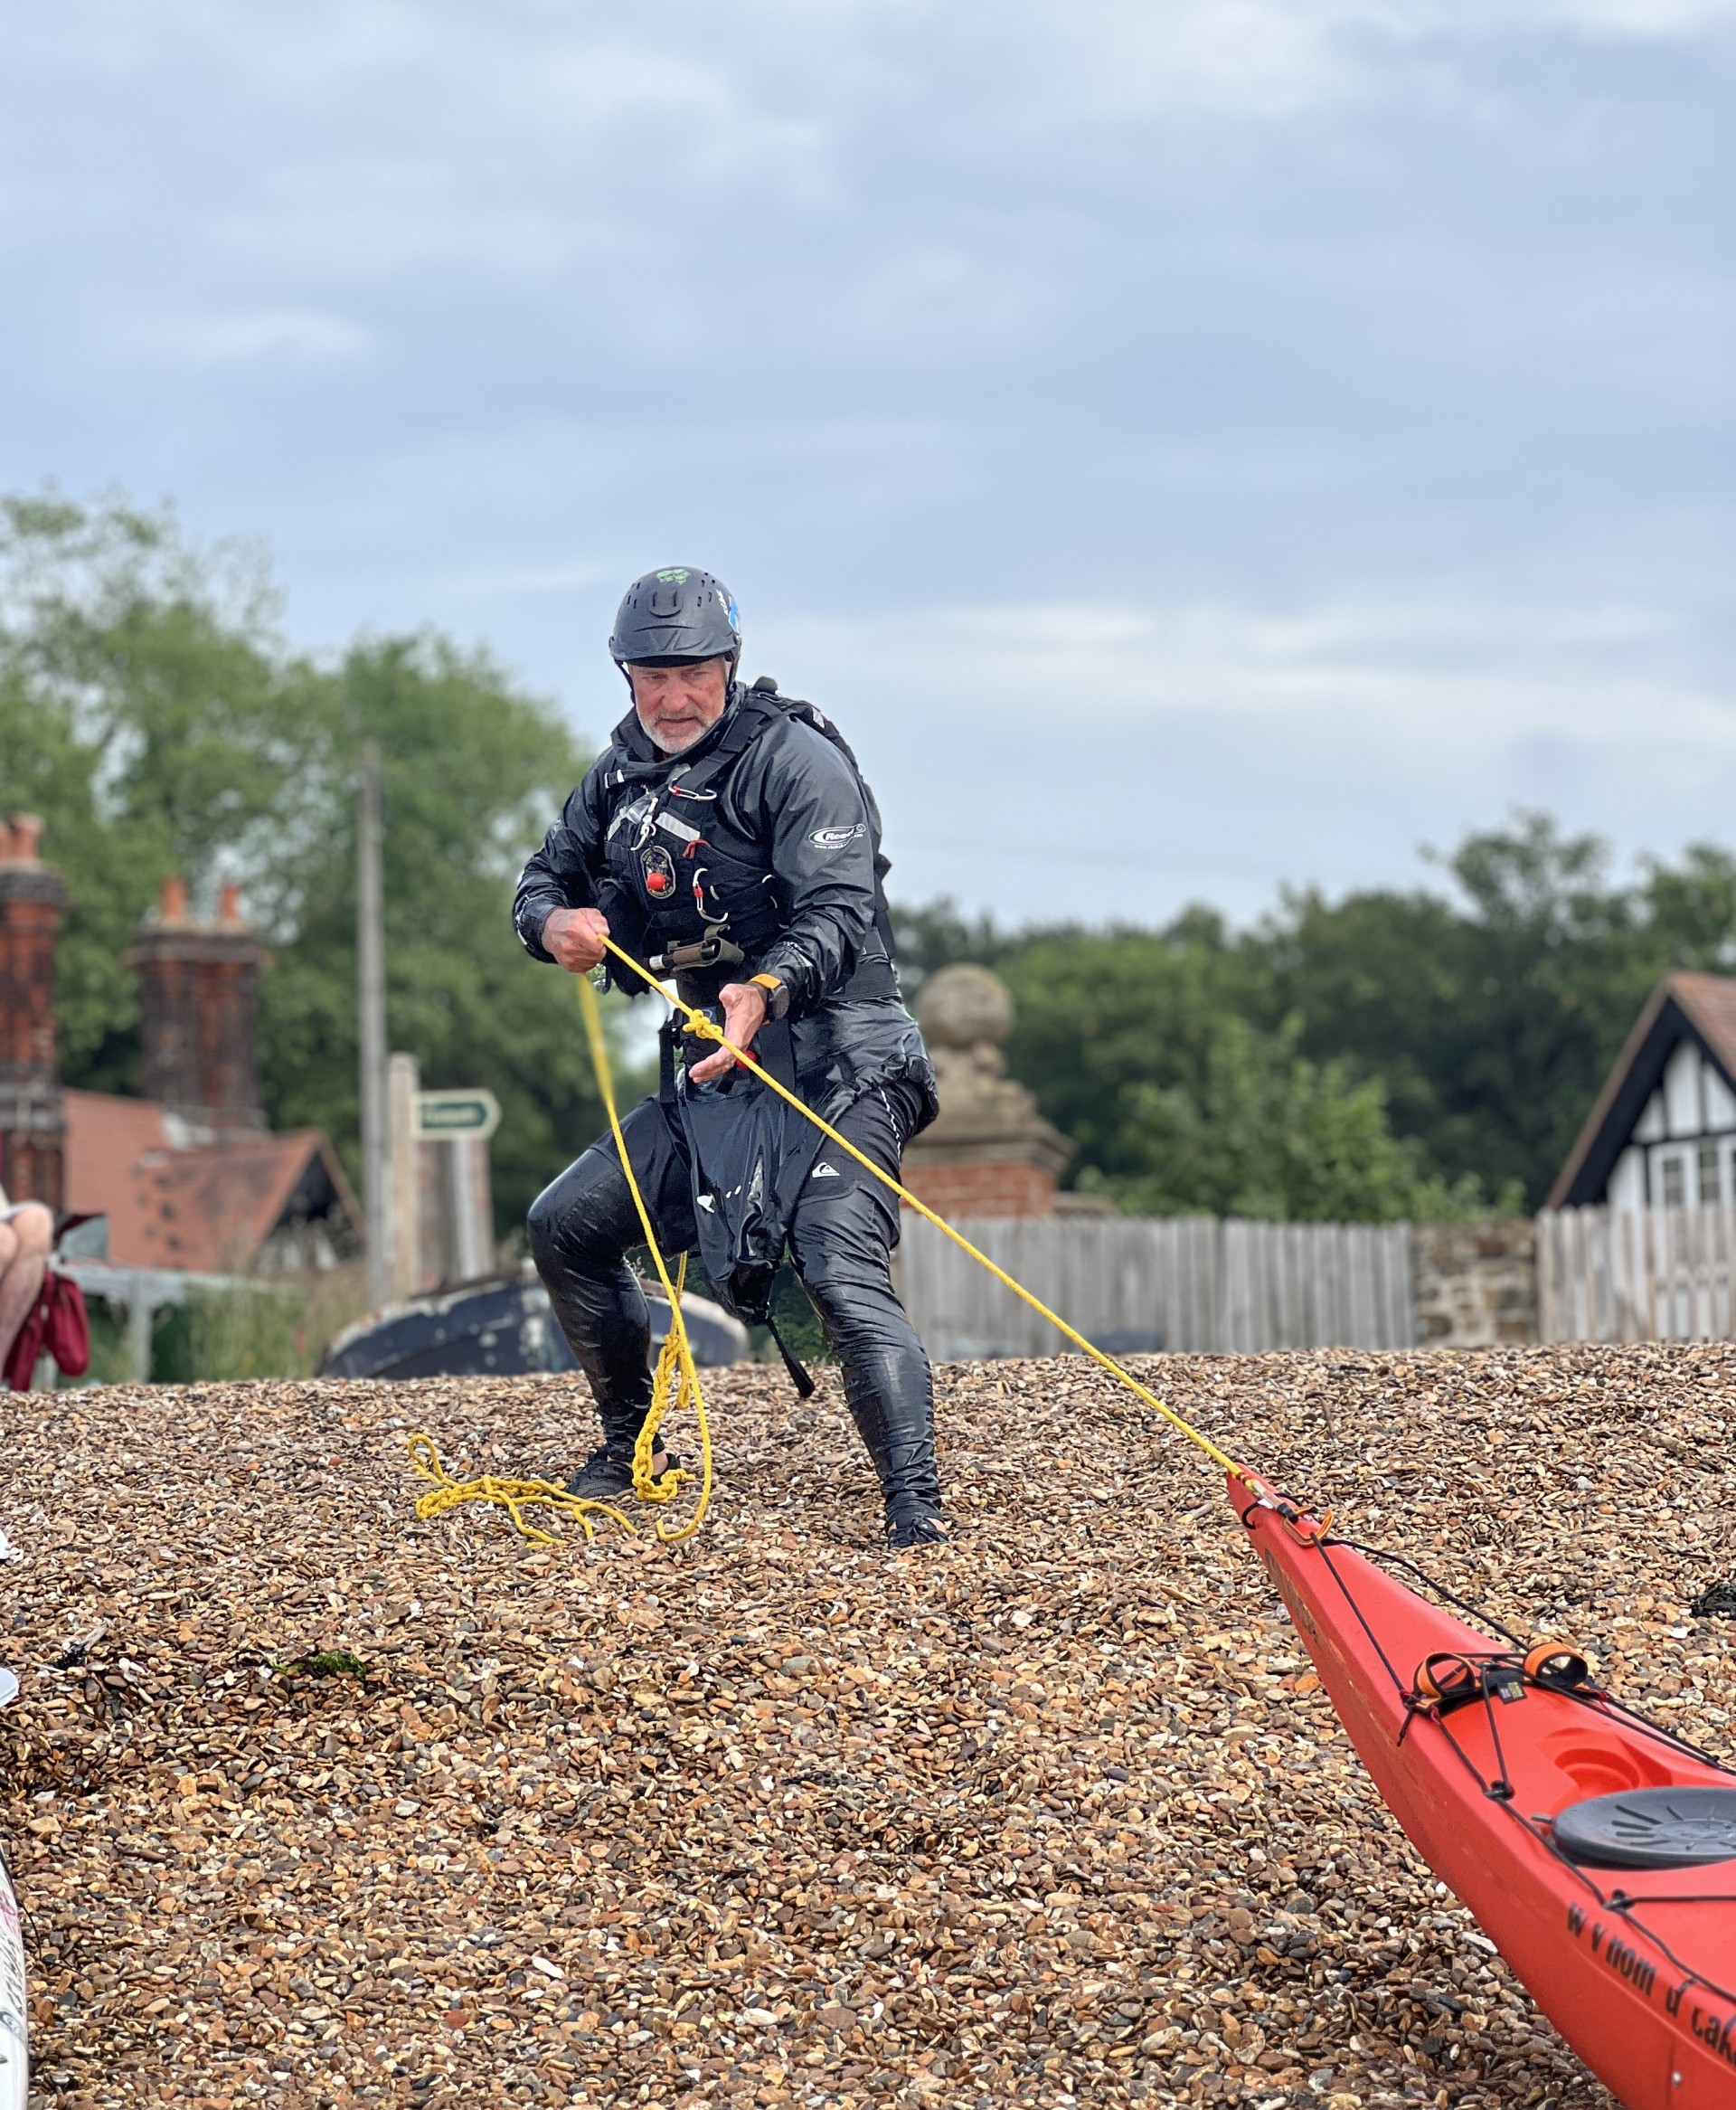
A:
(912, 1524)
(607, 1474)
(903, 1460)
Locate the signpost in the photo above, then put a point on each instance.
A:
(439, 1117)
(461, 1122)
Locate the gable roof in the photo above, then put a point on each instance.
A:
(1701, 1005)
(204, 1207)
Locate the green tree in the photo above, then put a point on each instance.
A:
(1488, 1009)
(1266, 1132)
(1153, 1051)
(148, 711)
(1491, 1019)
(472, 773)
(152, 711)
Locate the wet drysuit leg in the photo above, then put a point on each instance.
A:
(582, 1225)
(841, 1234)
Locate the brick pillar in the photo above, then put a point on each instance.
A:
(990, 1153)
(32, 1118)
(198, 986)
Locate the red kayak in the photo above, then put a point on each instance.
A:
(1597, 1852)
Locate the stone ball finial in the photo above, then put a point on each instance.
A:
(965, 1006)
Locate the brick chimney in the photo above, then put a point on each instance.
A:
(33, 1119)
(200, 987)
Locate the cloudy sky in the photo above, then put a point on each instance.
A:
(1191, 445)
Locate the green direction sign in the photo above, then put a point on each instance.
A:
(439, 1116)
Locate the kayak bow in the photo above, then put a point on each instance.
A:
(1597, 1852)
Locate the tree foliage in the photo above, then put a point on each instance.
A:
(1397, 1052)
(151, 711)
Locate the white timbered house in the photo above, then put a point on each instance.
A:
(1663, 1132)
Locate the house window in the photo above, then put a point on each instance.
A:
(1673, 1166)
(1711, 1193)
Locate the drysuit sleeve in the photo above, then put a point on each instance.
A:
(817, 822)
(566, 872)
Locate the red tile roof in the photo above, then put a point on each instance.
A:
(1710, 1001)
(208, 1208)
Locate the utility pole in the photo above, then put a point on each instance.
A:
(371, 976)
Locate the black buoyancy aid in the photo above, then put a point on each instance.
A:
(682, 869)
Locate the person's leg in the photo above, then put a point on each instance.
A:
(581, 1226)
(841, 1240)
(26, 1240)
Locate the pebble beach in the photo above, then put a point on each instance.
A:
(307, 1802)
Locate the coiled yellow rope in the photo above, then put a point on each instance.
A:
(513, 1496)
(675, 1386)
(676, 1374)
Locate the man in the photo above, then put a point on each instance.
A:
(726, 836)
(26, 1239)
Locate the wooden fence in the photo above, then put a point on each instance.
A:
(1131, 1283)
(1636, 1274)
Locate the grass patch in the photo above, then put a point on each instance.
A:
(256, 1330)
(328, 1663)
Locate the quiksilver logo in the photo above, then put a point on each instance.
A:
(824, 1171)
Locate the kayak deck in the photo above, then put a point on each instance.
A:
(1635, 1966)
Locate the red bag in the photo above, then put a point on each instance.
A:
(58, 1325)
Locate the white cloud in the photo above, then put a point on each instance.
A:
(1317, 407)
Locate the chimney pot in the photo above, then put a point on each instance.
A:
(171, 902)
(229, 907)
(20, 834)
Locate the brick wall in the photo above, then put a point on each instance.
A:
(32, 1123)
(1002, 1187)
(1475, 1284)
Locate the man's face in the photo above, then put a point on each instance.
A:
(680, 704)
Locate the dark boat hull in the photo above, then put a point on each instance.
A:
(499, 1330)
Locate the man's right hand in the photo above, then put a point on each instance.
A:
(573, 938)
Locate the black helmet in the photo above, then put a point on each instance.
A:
(674, 615)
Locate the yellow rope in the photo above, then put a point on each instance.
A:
(704, 1027)
(675, 1386)
(514, 1496)
(675, 1373)
(676, 1382)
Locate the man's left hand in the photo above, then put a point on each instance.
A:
(744, 1013)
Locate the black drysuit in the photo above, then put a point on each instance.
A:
(762, 834)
